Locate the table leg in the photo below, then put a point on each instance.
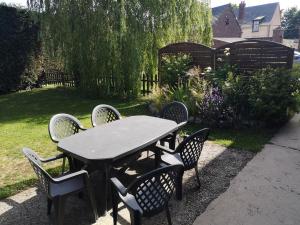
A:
(157, 157)
(107, 186)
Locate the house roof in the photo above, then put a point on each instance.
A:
(267, 11)
(217, 11)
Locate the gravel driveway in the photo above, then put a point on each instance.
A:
(218, 166)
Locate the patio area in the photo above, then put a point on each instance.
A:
(218, 166)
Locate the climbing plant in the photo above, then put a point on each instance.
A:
(107, 44)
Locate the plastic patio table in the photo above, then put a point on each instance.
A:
(101, 146)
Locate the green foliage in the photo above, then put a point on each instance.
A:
(108, 44)
(227, 98)
(290, 23)
(174, 68)
(19, 49)
(272, 95)
(266, 97)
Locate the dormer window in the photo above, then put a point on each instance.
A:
(256, 22)
(255, 26)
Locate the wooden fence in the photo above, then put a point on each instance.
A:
(251, 55)
(201, 54)
(148, 83)
(246, 55)
(57, 78)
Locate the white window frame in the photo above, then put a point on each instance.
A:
(255, 26)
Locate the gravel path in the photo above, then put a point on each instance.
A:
(218, 166)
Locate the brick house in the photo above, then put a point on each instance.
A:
(260, 22)
(225, 23)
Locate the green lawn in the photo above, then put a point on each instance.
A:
(24, 121)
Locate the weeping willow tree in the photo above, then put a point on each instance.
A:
(107, 44)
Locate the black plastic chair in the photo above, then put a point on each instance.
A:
(188, 151)
(103, 114)
(177, 112)
(62, 126)
(58, 189)
(149, 194)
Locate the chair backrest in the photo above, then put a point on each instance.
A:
(175, 111)
(43, 177)
(153, 190)
(62, 126)
(103, 114)
(191, 147)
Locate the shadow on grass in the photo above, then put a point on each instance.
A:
(15, 188)
(37, 106)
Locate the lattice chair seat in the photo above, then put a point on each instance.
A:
(171, 159)
(177, 112)
(57, 189)
(103, 114)
(62, 126)
(188, 151)
(149, 194)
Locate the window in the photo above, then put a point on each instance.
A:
(227, 20)
(255, 26)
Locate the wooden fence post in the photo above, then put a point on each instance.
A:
(144, 83)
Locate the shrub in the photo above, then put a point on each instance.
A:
(272, 95)
(265, 97)
(19, 47)
(174, 69)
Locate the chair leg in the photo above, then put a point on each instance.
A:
(59, 204)
(115, 206)
(172, 143)
(63, 165)
(49, 206)
(135, 218)
(179, 185)
(168, 216)
(92, 200)
(197, 175)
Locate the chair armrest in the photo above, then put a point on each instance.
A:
(164, 149)
(119, 186)
(60, 156)
(180, 125)
(71, 176)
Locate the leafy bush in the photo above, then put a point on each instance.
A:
(266, 97)
(174, 68)
(19, 47)
(272, 95)
(227, 97)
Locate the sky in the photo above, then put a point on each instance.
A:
(284, 4)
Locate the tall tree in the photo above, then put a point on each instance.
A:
(19, 47)
(291, 23)
(107, 44)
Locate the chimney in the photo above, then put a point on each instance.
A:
(242, 7)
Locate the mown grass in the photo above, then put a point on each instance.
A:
(24, 118)
(244, 139)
